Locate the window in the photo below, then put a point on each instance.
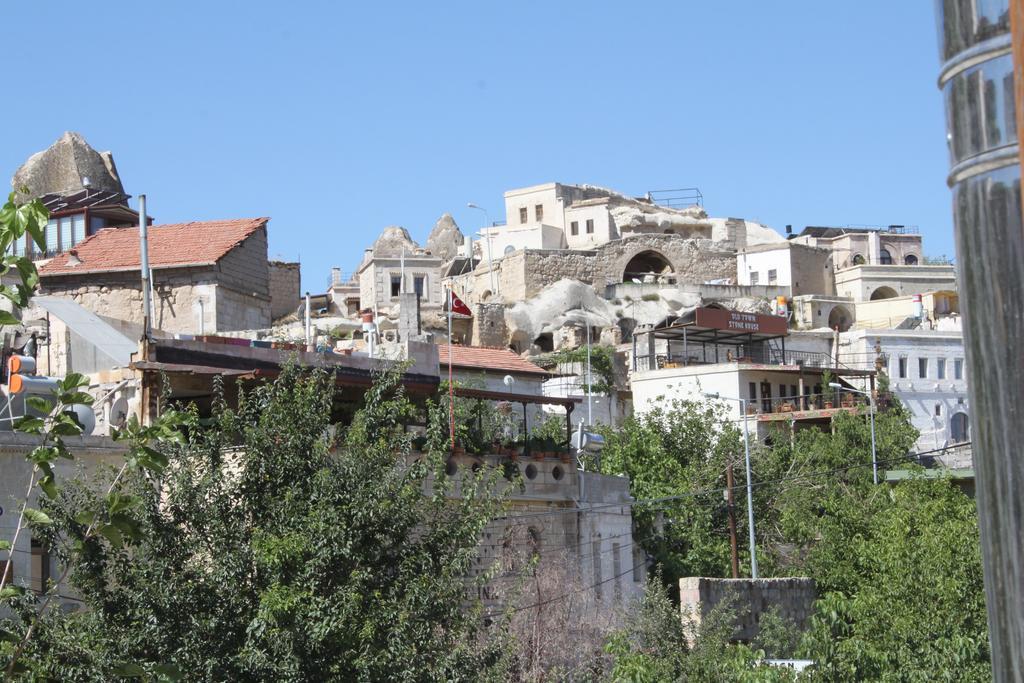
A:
(903, 367)
(590, 226)
(39, 575)
(766, 397)
(922, 368)
(938, 410)
(52, 235)
(419, 283)
(754, 278)
(522, 214)
(940, 368)
(538, 212)
(773, 276)
(396, 285)
(574, 227)
(793, 393)
(884, 257)
(910, 260)
(958, 368)
(753, 391)
(858, 260)
(782, 391)
(66, 241)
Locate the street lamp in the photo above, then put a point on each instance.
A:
(871, 414)
(750, 492)
(490, 263)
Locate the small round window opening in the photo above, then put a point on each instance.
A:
(531, 471)
(557, 473)
(450, 468)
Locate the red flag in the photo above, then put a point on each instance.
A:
(458, 306)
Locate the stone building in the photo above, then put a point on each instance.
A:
(894, 245)
(801, 268)
(81, 189)
(655, 258)
(559, 216)
(208, 276)
(285, 288)
(397, 264)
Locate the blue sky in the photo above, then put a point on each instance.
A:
(337, 119)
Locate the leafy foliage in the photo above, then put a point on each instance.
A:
(680, 450)
(264, 554)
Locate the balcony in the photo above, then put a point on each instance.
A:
(752, 356)
(811, 406)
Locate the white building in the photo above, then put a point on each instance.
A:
(743, 356)
(803, 269)
(927, 373)
(558, 216)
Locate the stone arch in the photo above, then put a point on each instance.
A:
(646, 264)
(910, 259)
(858, 259)
(960, 427)
(883, 292)
(840, 318)
(885, 257)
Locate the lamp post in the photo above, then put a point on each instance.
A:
(871, 414)
(750, 492)
(583, 315)
(490, 262)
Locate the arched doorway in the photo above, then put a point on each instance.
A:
(839, 318)
(960, 428)
(883, 293)
(884, 257)
(647, 266)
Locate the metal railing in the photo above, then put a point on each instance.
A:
(680, 198)
(759, 356)
(807, 402)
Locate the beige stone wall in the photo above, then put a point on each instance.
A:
(812, 271)
(285, 288)
(793, 597)
(525, 274)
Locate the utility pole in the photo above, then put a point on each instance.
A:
(732, 521)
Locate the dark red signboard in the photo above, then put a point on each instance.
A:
(735, 321)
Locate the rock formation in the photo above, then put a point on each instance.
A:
(446, 238)
(62, 168)
(393, 239)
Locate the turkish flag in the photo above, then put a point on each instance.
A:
(458, 306)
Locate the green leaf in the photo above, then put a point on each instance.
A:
(112, 534)
(129, 670)
(86, 517)
(37, 516)
(168, 671)
(40, 404)
(30, 425)
(5, 545)
(65, 428)
(7, 318)
(8, 637)
(11, 591)
(48, 486)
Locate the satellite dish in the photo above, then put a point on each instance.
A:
(84, 416)
(118, 412)
(509, 380)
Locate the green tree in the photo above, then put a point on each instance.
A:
(912, 603)
(678, 451)
(265, 554)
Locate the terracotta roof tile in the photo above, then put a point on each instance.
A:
(175, 245)
(484, 358)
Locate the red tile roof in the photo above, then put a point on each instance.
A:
(484, 358)
(199, 243)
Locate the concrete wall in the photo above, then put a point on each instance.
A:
(806, 270)
(285, 288)
(91, 454)
(792, 597)
(547, 195)
(375, 280)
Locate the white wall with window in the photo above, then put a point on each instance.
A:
(927, 374)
